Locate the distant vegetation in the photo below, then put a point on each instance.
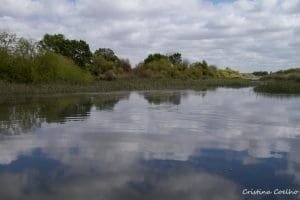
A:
(24, 61)
(173, 66)
(56, 59)
(121, 85)
(284, 82)
(285, 75)
(260, 73)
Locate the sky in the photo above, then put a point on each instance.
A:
(247, 35)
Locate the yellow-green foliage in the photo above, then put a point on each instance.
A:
(163, 68)
(100, 65)
(45, 67)
(53, 67)
(228, 73)
(14, 67)
(24, 61)
(105, 68)
(156, 69)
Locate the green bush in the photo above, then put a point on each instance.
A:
(47, 67)
(161, 68)
(51, 67)
(15, 68)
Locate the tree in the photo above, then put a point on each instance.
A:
(125, 65)
(154, 57)
(78, 51)
(100, 65)
(175, 58)
(204, 64)
(55, 43)
(107, 54)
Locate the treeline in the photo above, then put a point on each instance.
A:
(292, 74)
(22, 60)
(58, 59)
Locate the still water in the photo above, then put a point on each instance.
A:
(150, 145)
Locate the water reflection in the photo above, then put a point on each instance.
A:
(158, 98)
(108, 102)
(124, 146)
(25, 114)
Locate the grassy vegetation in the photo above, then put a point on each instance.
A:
(58, 59)
(43, 67)
(281, 82)
(292, 74)
(60, 65)
(121, 85)
(278, 87)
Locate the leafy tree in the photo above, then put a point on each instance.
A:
(154, 57)
(100, 65)
(105, 62)
(159, 67)
(175, 58)
(204, 64)
(124, 64)
(107, 54)
(79, 51)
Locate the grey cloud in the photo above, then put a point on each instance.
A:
(247, 35)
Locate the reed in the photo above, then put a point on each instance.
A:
(7, 88)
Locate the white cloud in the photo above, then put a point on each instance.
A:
(246, 34)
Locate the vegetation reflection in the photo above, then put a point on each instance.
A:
(23, 115)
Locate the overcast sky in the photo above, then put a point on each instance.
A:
(243, 34)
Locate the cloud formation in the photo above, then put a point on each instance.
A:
(245, 34)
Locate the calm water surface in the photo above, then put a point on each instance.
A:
(149, 145)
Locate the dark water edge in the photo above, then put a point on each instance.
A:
(278, 87)
(271, 87)
(121, 85)
(149, 145)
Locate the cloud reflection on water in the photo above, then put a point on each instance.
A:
(128, 146)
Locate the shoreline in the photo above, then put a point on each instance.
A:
(7, 88)
(119, 85)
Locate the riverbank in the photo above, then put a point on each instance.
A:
(121, 85)
(278, 87)
(260, 86)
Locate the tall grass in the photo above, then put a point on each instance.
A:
(121, 85)
(278, 87)
(51, 67)
(42, 68)
(281, 82)
(292, 74)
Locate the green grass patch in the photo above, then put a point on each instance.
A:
(278, 87)
(43, 68)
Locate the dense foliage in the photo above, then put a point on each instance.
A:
(57, 58)
(173, 66)
(78, 51)
(24, 61)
